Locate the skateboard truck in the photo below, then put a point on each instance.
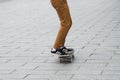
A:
(66, 58)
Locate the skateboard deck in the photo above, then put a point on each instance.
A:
(66, 58)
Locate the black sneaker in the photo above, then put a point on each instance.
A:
(62, 51)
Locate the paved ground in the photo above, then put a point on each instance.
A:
(27, 33)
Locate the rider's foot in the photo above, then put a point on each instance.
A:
(62, 51)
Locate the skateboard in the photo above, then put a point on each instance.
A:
(66, 58)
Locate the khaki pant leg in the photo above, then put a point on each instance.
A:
(63, 12)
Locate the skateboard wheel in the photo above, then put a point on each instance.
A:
(71, 60)
(73, 56)
(60, 60)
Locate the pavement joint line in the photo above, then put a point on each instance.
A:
(12, 71)
(26, 76)
(102, 72)
(36, 67)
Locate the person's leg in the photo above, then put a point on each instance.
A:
(62, 9)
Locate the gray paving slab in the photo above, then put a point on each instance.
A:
(28, 29)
